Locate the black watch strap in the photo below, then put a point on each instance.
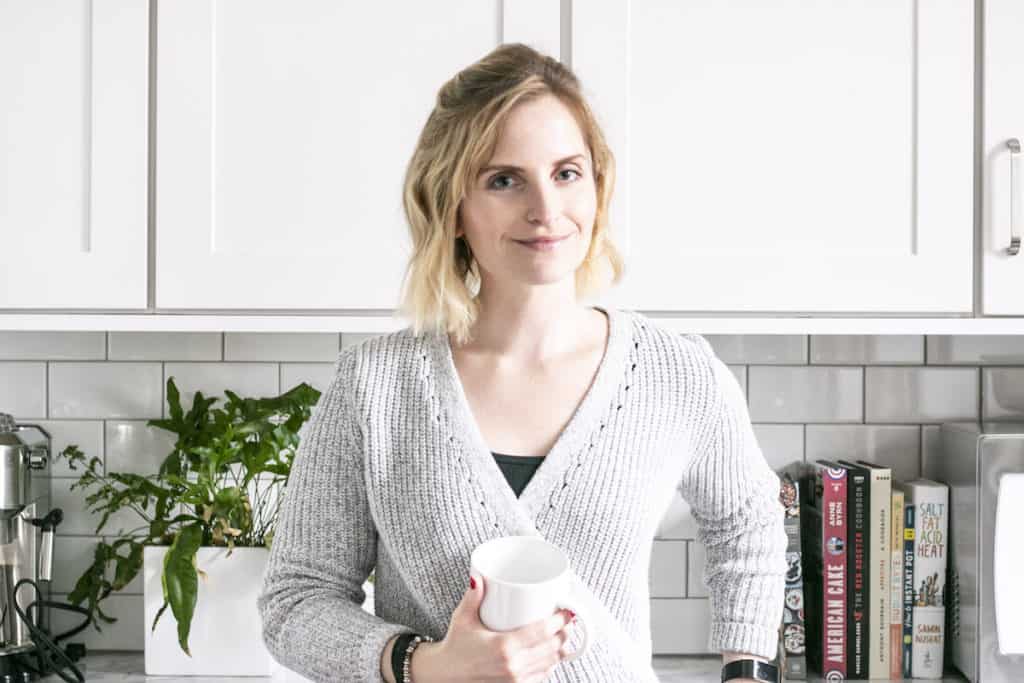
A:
(750, 668)
(398, 654)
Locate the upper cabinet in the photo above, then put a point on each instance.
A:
(73, 167)
(1002, 163)
(773, 157)
(777, 156)
(283, 131)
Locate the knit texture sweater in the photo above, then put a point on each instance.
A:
(392, 473)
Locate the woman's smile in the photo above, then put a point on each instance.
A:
(543, 244)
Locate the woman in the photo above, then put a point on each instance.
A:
(507, 407)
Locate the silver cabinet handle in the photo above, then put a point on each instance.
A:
(1015, 198)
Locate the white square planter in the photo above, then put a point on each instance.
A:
(226, 638)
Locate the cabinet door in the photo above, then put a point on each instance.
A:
(1002, 162)
(283, 132)
(73, 110)
(782, 156)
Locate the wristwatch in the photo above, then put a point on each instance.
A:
(750, 668)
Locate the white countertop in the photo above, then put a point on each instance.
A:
(128, 667)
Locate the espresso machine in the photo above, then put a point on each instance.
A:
(26, 559)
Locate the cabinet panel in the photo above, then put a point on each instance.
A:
(1002, 205)
(283, 133)
(73, 172)
(780, 156)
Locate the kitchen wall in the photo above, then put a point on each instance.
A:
(876, 397)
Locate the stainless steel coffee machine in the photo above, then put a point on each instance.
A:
(26, 547)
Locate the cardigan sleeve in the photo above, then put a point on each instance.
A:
(323, 549)
(734, 498)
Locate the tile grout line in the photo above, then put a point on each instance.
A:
(980, 415)
(864, 394)
(686, 571)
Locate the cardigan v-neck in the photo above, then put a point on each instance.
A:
(583, 425)
(518, 469)
(392, 476)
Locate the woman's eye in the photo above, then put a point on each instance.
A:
(505, 175)
(496, 178)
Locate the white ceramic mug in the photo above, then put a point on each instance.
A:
(526, 579)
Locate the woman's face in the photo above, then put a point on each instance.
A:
(551, 194)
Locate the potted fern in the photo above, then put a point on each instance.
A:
(206, 522)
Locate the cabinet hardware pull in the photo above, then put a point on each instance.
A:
(1015, 192)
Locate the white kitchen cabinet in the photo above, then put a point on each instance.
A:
(790, 156)
(73, 166)
(1002, 168)
(283, 131)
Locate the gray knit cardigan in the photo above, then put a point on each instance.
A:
(392, 473)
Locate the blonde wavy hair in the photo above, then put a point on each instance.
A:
(442, 278)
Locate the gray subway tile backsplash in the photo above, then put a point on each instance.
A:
(680, 626)
(103, 389)
(667, 573)
(740, 371)
(875, 397)
(931, 446)
(278, 346)
(165, 346)
(132, 446)
(764, 349)
(696, 556)
(1002, 392)
(317, 375)
(921, 395)
(867, 349)
(895, 446)
(780, 444)
(805, 393)
(88, 435)
(23, 389)
(243, 378)
(27, 345)
(976, 349)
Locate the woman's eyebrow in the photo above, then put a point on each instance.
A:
(508, 167)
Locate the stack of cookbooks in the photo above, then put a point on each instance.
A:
(874, 567)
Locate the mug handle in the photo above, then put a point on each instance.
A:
(581, 617)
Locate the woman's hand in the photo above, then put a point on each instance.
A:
(472, 652)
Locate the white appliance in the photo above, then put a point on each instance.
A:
(983, 463)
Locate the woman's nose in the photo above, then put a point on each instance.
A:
(545, 208)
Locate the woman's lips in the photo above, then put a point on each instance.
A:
(542, 244)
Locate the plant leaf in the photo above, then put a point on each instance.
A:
(179, 579)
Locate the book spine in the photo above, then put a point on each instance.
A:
(896, 592)
(930, 524)
(881, 561)
(856, 568)
(793, 635)
(908, 588)
(813, 571)
(834, 560)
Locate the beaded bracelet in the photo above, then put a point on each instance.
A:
(417, 639)
(398, 655)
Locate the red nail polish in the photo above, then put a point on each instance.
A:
(472, 583)
(572, 615)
